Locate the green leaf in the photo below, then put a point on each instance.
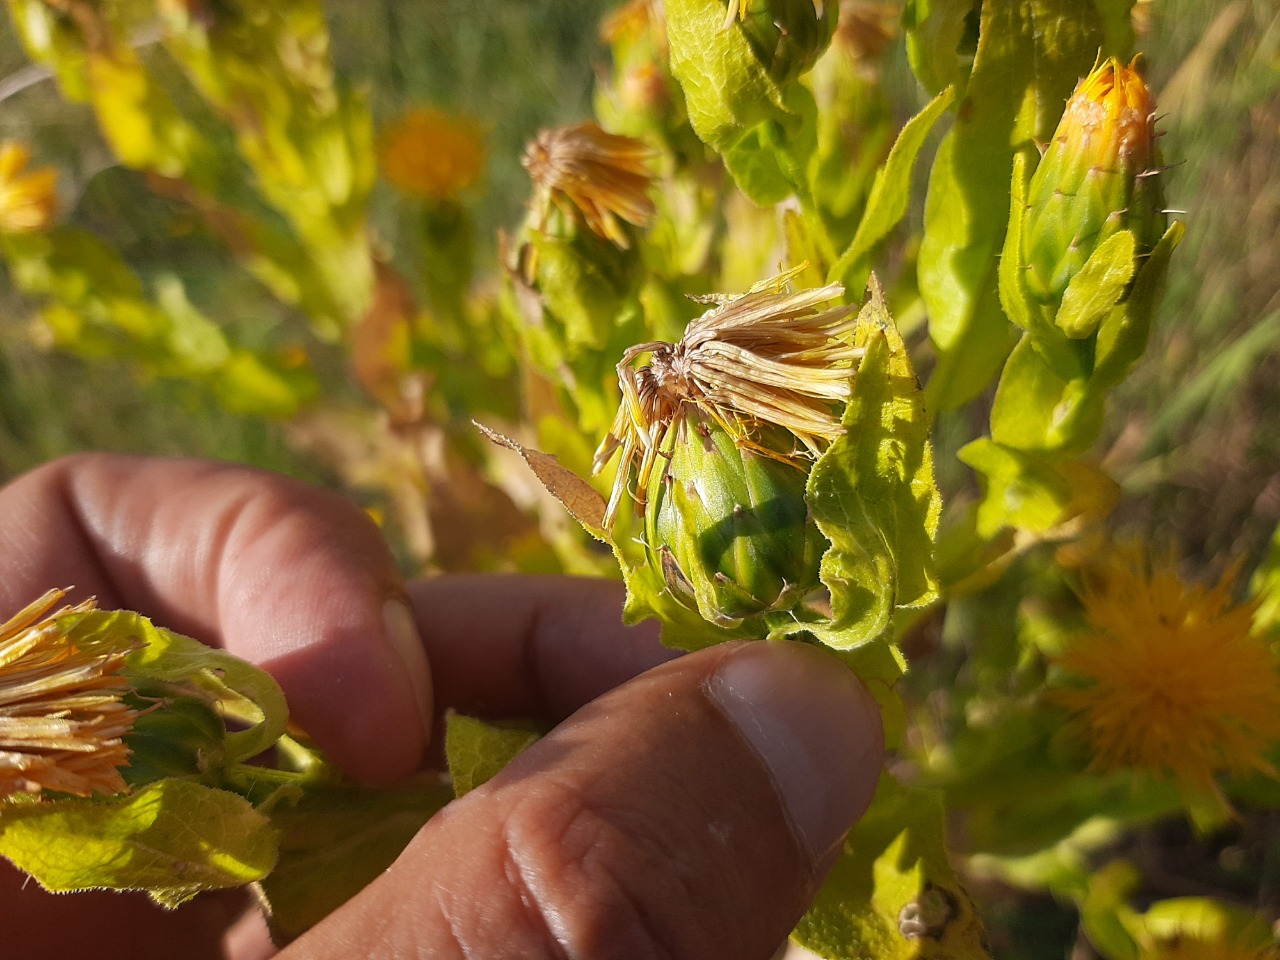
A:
(173, 838)
(1265, 586)
(1098, 287)
(1104, 914)
(890, 191)
(757, 170)
(476, 750)
(727, 90)
(892, 894)
(1036, 408)
(1031, 492)
(1192, 922)
(941, 36)
(334, 841)
(247, 691)
(1028, 59)
(872, 492)
(1122, 338)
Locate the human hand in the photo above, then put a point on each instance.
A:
(691, 811)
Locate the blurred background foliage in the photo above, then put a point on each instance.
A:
(1201, 413)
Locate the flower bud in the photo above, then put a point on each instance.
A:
(1096, 177)
(726, 524)
(788, 36)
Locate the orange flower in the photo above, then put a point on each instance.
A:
(433, 155)
(62, 721)
(600, 176)
(1171, 678)
(27, 200)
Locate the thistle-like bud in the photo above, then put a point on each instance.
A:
(726, 526)
(1096, 178)
(717, 434)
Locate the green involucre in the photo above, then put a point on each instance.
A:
(727, 528)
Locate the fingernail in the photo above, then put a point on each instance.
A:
(402, 631)
(815, 728)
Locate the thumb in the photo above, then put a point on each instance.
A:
(689, 813)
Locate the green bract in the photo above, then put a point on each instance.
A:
(788, 36)
(727, 527)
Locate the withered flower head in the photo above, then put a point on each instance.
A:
(766, 357)
(599, 176)
(62, 720)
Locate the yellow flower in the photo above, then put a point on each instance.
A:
(61, 717)
(1110, 119)
(27, 200)
(1171, 680)
(432, 154)
(600, 176)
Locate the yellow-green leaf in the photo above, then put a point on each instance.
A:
(890, 191)
(173, 838)
(1098, 286)
(477, 750)
(872, 493)
(892, 894)
(334, 841)
(247, 692)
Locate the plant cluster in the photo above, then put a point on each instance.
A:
(758, 464)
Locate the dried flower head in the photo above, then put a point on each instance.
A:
(764, 357)
(432, 154)
(599, 176)
(27, 199)
(62, 720)
(1171, 678)
(866, 27)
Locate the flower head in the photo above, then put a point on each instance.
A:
(432, 154)
(599, 176)
(62, 720)
(766, 357)
(1098, 175)
(27, 199)
(1171, 680)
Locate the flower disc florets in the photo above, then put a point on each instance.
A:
(1171, 679)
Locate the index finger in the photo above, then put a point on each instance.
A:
(286, 575)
